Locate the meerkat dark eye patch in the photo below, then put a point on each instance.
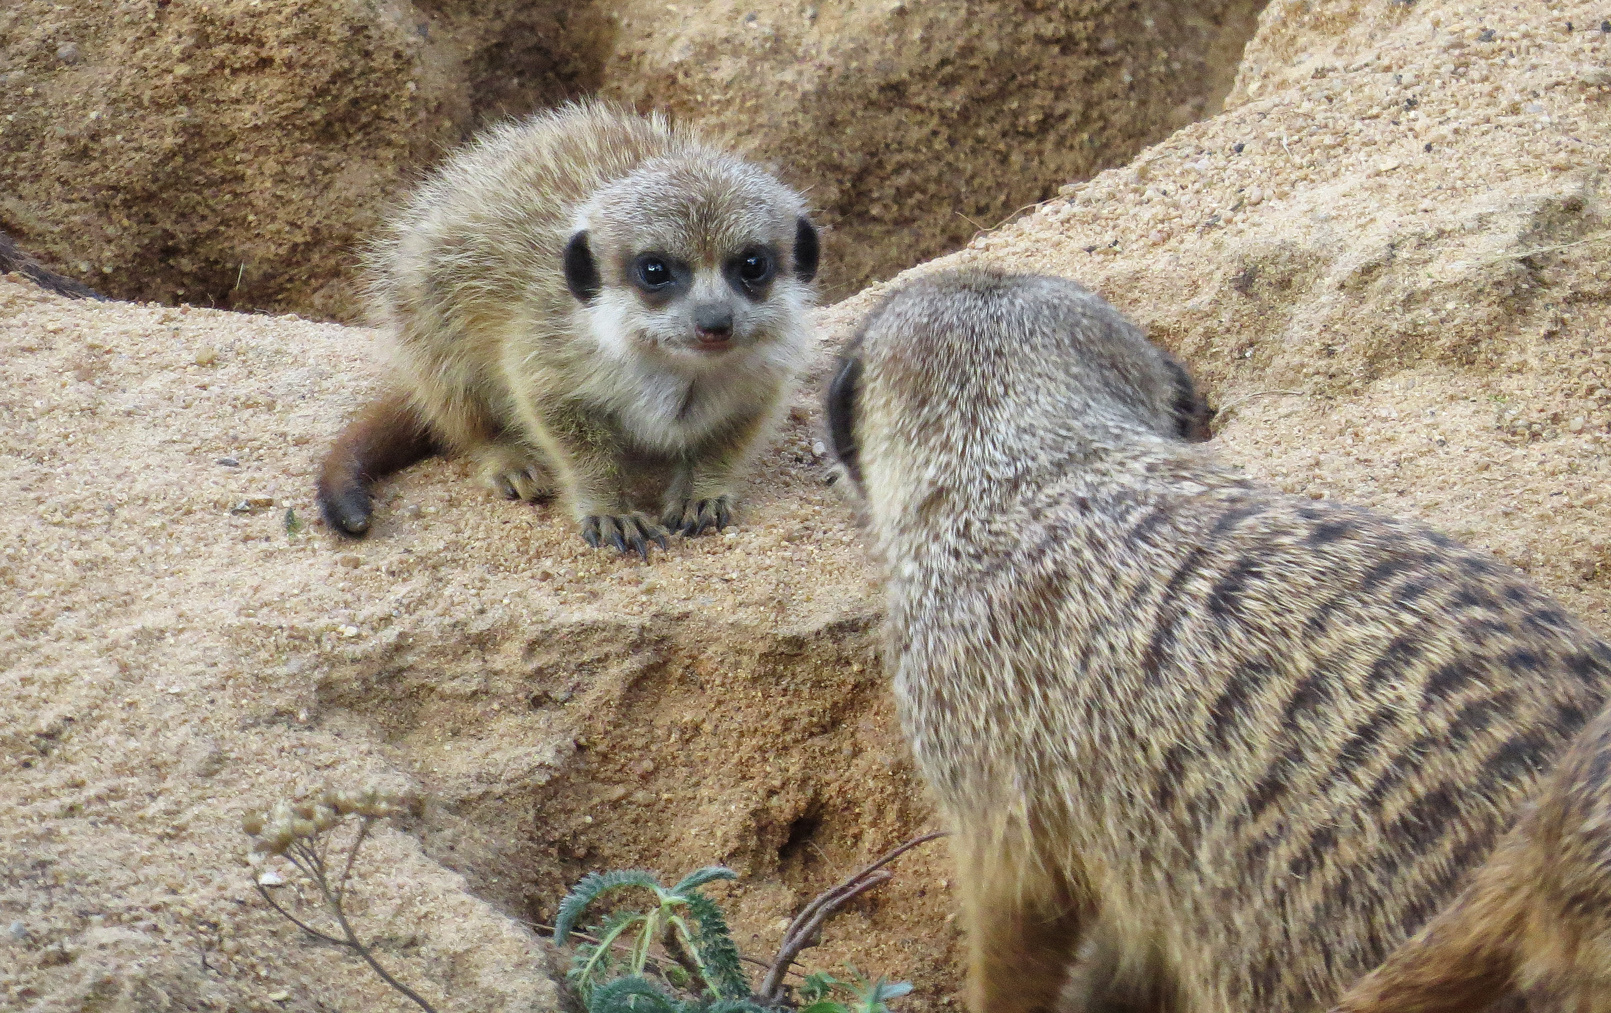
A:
(751, 271)
(581, 270)
(1189, 409)
(841, 410)
(652, 273)
(658, 276)
(807, 248)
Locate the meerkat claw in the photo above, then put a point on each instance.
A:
(695, 517)
(630, 533)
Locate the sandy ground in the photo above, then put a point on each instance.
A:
(236, 153)
(1386, 261)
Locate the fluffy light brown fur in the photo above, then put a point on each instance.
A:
(1535, 920)
(1205, 746)
(527, 338)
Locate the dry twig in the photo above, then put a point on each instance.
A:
(311, 862)
(805, 930)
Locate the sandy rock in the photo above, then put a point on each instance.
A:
(913, 125)
(238, 153)
(1421, 330)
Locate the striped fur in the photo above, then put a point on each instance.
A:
(1226, 746)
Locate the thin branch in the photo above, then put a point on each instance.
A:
(363, 951)
(803, 931)
(315, 933)
(1536, 250)
(352, 853)
(687, 959)
(310, 861)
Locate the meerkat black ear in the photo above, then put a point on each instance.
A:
(807, 248)
(1189, 409)
(581, 270)
(841, 411)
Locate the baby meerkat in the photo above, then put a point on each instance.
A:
(1205, 746)
(585, 301)
(1534, 920)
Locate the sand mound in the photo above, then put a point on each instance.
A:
(1386, 261)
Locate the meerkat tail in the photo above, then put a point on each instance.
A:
(1467, 957)
(387, 437)
(14, 258)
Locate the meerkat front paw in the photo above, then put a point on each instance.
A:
(627, 532)
(695, 516)
(513, 474)
(530, 483)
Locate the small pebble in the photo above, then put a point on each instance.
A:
(351, 560)
(67, 52)
(228, 462)
(270, 878)
(819, 448)
(18, 930)
(206, 356)
(412, 510)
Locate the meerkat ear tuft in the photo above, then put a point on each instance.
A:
(842, 416)
(807, 249)
(581, 270)
(1189, 409)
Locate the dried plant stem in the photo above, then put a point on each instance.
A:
(310, 861)
(804, 931)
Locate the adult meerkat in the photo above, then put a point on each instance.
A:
(579, 300)
(1210, 746)
(1535, 919)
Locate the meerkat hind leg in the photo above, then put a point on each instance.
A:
(1022, 940)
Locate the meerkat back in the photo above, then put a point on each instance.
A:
(1534, 922)
(579, 296)
(1206, 747)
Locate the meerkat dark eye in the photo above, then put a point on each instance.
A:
(653, 273)
(755, 268)
(751, 270)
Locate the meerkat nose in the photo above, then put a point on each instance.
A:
(713, 321)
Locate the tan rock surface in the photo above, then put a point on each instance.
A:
(912, 125)
(235, 153)
(1442, 316)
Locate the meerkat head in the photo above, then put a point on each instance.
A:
(970, 379)
(693, 258)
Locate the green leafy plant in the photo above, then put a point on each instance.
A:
(865, 995)
(700, 969)
(681, 938)
(686, 922)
